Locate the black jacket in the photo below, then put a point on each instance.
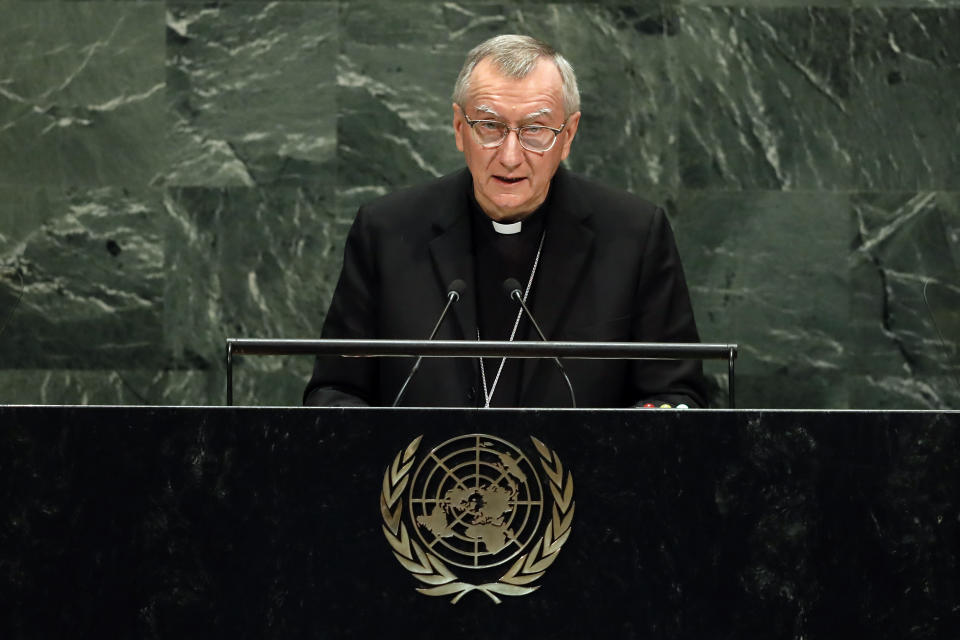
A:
(609, 271)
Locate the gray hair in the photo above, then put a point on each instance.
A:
(516, 56)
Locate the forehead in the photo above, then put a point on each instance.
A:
(542, 88)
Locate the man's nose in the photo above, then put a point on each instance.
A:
(511, 153)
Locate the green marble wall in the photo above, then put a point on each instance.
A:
(173, 173)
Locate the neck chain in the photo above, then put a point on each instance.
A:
(488, 395)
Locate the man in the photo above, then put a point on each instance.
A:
(594, 263)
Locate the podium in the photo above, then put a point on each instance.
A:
(161, 522)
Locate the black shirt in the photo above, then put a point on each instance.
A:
(497, 257)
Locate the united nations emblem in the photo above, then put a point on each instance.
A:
(477, 503)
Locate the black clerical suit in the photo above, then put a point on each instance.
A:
(608, 271)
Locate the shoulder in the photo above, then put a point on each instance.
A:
(419, 204)
(606, 207)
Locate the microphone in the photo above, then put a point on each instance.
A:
(454, 289)
(511, 286)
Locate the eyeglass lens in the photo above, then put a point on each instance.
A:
(535, 138)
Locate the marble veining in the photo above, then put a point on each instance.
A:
(173, 173)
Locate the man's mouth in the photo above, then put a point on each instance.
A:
(507, 180)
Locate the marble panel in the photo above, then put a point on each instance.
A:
(254, 263)
(23, 211)
(252, 93)
(266, 381)
(627, 135)
(817, 3)
(907, 3)
(81, 93)
(108, 387)
(905, 299)
(394, 125)
(83, 275)
(906, 87)
(763, 98)
(768, 270)
(273, 122)
(767, 4)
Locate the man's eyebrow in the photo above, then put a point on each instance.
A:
(536, 114)
(530, 116)
(487, 109)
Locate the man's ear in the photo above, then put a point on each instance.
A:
(568, 132)
(458, 126)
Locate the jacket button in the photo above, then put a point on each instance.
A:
(472, 393)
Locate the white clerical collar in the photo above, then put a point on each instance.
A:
(507, 229)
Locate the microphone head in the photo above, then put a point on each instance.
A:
(511, 285)
(456, 288)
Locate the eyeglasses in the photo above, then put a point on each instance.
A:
(533, 137)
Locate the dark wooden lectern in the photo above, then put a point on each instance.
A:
(266, 523)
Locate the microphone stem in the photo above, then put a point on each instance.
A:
(519, 298)
(452, 297)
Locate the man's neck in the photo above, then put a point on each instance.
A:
(502, 217)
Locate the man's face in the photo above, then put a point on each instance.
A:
(510, 182)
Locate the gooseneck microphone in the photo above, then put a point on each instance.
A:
(454, 290)
(511, 287)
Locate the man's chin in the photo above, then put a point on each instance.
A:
(507, 207)
(509, 210)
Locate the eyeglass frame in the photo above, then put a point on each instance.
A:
(556, 133)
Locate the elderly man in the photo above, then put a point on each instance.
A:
(594, 263)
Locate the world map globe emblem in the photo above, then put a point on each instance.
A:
(476, 501)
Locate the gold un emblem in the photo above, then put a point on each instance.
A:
(476, 503)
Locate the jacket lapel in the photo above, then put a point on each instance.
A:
(451, 251)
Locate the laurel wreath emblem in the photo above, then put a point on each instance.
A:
(428, 568)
